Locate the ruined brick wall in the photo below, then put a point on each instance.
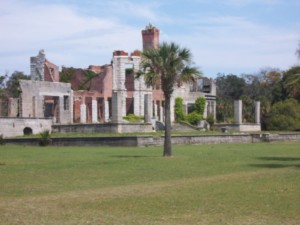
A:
(95, 69)
(101, 82)
(51, 72)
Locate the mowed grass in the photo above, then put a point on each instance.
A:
(202, 184)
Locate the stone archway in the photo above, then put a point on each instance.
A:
(27, 131)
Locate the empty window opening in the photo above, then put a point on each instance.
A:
(66, 102)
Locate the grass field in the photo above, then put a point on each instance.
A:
(234, 184)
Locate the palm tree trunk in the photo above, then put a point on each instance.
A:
(167, 143)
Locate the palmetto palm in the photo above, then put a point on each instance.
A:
(169, 65)
(292, 82)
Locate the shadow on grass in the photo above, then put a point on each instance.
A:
(273, 166)
(277, 165)
(285, 159)
(133, 156)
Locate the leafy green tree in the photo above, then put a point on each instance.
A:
(2, 84)
(230, 86)
(284, 115)
(248, 109)
(169, 65)
(66, 74)
(13, 84)
(224, 109)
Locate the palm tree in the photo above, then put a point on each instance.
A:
(292, 82)
(168, 65)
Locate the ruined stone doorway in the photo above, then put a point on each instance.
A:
(100, 109)
(51, 107)
(129, 106)
(88, 103)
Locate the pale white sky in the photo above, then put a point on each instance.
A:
(225, 36)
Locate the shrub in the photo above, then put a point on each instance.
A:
(133, 118)
(210, 119)
(284, 115)
(179, 114)
(2, 141)
(200, 105)
(45, 138)
(193, 118)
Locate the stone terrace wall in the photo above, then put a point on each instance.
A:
(103, 128)
(143, 141)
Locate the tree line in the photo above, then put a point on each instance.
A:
(10, 88)
(278, 91)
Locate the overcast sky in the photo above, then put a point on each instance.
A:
(224, 36)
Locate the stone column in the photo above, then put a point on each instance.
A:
(94, 111)
(205, 110)
(215, 109)
(117, 107)
(161, 116)
(172, 110)
(39, 106)
(147, 108)
(62, 116)
(155, 109)
(106, 111)
(138, 103)
(257, 112)
(238, 116)
(82, 113)
(12, 107)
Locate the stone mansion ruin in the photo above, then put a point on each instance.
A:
(100, 94)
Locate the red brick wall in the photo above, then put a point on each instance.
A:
(51, 72)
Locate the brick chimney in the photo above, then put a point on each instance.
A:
(150, 37)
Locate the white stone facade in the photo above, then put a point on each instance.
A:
(34, 95)
(120, 63)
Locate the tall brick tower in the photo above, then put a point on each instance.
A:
(150, 37)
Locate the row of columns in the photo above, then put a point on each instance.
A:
(119, 106)
(238, 112)
(83, 112)
(158, 114)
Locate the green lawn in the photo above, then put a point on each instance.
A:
(232, 184)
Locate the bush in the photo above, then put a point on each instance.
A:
(2, 141)
(193, 118)
(284, 115)
(45, 138)
(179, 114)
(133, 118)
(200, 105)
(210, 119)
